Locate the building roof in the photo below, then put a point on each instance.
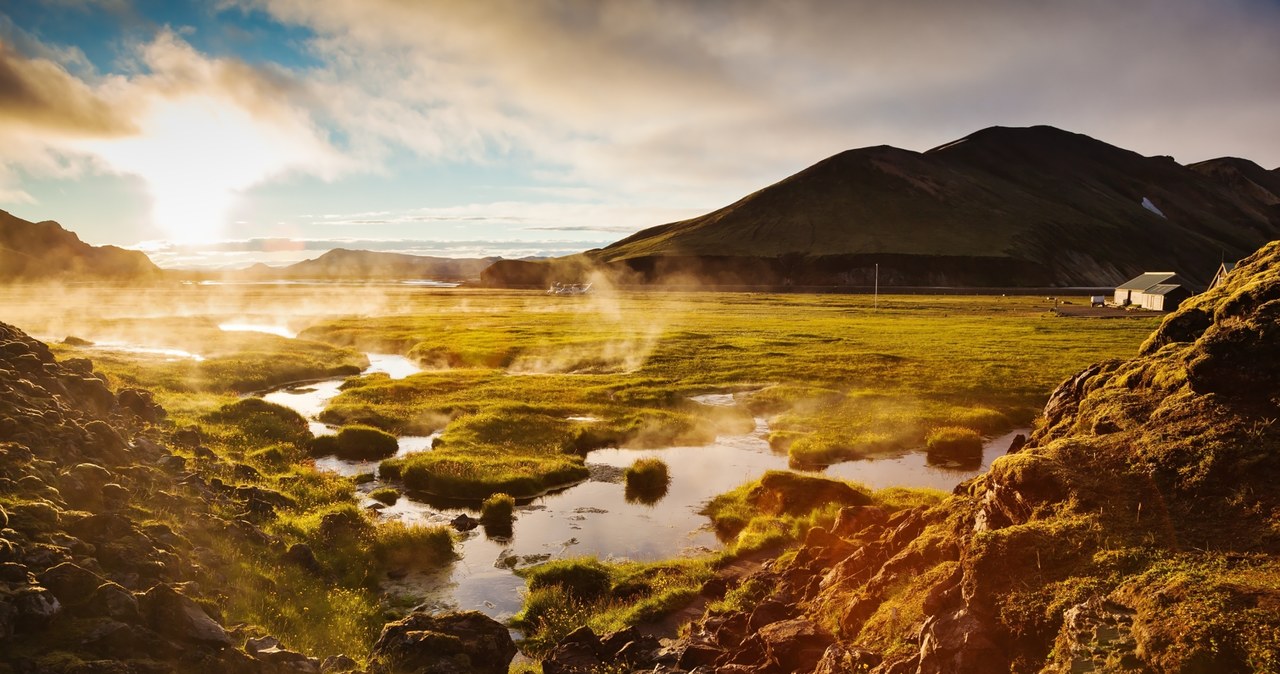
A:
(1163, 288)
(1147, 280)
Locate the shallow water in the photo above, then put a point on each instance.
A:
(165, 354)
(595, 517)
(270, 329)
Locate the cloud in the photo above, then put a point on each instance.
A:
(40, 94)
(198, 130)
(712, 99)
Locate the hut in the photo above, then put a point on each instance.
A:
(1223, 269)
(1154, 290)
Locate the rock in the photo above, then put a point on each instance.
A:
(172, 614)
(301, 554)
(579, 652)
(34, 608)
(1094, 634)
(464, 522)
(795, 645)
(696, 655)
(253, 645)
(112, 639)
(71, 584)
(467, 643)
(958, 642)
(767, 612)
(853, 519)
(840, 659)
(338, 663)
(1019, 441)
(18, 574)
(113, 601)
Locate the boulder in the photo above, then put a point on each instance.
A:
(338, 663)
(463, 643)
(795, 645)
(579, 652)
(174, 615)
(70, 583)
(113, 601)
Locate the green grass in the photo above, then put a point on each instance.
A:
(954, 441)
(364, 443)
(564, 595)
(498, 511)
(837, 378)
(646, 480)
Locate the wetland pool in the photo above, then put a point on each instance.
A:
(595, 517)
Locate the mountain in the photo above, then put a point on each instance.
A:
(341, 263)
(31, 251)
(1034, 206)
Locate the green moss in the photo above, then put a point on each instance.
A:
(365, 442)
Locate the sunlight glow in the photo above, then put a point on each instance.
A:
(197, 153)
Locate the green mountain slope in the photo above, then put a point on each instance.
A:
(1002, 206)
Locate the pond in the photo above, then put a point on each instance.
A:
(595, 517)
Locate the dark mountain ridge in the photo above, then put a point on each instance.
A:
(1033, 206)
(39, 251)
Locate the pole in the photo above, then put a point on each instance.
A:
(877, 292)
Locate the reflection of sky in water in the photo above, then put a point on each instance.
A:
(236, 326)
(594, 517)
(166, 354)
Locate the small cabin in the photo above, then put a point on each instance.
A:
(1154, 290)
(1223, 269)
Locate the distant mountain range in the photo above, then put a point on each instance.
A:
(1033, 206)
(44, 251)
(344, 264)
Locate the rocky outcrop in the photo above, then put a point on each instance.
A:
(452, 643)
(91, 578)
(1134, 531)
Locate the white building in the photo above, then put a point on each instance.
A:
(1154, 290)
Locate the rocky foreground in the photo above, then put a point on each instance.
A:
(110, 540)
(1137, 531)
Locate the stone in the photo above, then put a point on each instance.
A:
(466, 642)
(464, 522)
(958, 642)
(172, 614)
(698, 654)
(579, 652)
(338, 663)
(767, 612)
(795, 645)
(70, 583)
(840, 659)
(34, 608)
(112, 600)
(301, 554)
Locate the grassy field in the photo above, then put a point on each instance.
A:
(523, 384)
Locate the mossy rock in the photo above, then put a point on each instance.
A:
(786, 493)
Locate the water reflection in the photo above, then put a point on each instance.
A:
(599, 517)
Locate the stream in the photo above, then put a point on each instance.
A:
(594, 517)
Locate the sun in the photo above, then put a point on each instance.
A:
(197, 155)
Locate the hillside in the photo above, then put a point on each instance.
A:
(1138, 530)
(341, 263)
(1031, 206)
(37, 251)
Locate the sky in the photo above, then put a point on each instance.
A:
(226, 132)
